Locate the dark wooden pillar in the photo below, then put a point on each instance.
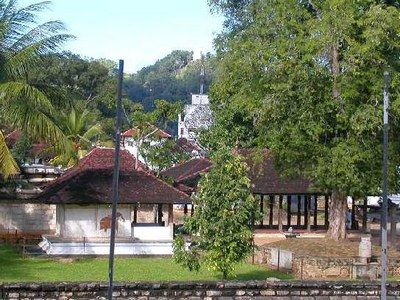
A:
(280, 213)
(289, 208)
(135, 210)
(191, 210)
(185, 210)
(298, 210)
(364, 217)
(307, 221)
(170, 213)
(315, 212)
(262, 210)
(271, 210)
(159, 213)
(354, 224)
(326, 211)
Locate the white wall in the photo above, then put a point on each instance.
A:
(88, 221)
(27, 218)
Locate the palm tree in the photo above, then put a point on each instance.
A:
(22, 105)
(80, 134)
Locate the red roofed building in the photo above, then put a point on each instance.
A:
(283, 202)
(83, 196)
(133, 138)
(186, 175)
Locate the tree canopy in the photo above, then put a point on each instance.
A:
(220, 228)
(28, 107)
(305, 79)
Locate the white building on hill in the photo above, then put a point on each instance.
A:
(197, 116)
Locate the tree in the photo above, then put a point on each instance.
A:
(25, 106)
(221, 234)
(307, 77)
(80, 133)
(161, 154)
(174, 77)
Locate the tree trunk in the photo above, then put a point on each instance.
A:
(337, 216)
(335, 70)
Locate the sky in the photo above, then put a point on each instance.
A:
(138, 31)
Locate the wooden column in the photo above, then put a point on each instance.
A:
(364, 218)
(170, 213)
(289, 208)
(262, 210)
(354, 224)
(159, 213)
(326, 211)
(315, 212)
(307, 221)
(298, 210)
(185, 210)
(280, 227)
(271, 210)
(135, 210)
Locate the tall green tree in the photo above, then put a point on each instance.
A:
(221, 234)
(23, 105)
(82, 136)
(308, 76)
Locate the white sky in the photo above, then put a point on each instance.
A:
(137, 31)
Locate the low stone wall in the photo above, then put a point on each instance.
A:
(307, 267)
(224, 290)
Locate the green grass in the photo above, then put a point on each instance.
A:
(15, 268)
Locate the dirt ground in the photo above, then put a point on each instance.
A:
(316, 244)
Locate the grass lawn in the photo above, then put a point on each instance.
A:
(15, 268)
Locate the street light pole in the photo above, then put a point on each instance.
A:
(115, 181)
(384, 188)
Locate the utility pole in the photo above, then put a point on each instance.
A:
(384, 210)
(115, 181)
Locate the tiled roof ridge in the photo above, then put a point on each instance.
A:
(79, 168)
(192, 174)
(187, 161)
(162, 181)
(151, 126)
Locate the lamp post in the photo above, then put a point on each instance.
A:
(115, 181)
(384, 188)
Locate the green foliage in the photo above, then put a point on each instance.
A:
(82, 136)
(25, 106)
(22, 147)
(307, 76)
(220, 226)
(174, 77)
(161, 154)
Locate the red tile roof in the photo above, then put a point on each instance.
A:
(187, 145)
(263, 175)
(148, 126)
(15, 135)
(91, 182)
(188, 170)
(266, 179)
(12, 138)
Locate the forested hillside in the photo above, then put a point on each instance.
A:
(83, 92)
(174, 77)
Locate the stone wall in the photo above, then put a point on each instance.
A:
(307, 267)
(224, 290)
(27, 218)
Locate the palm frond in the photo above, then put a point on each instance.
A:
(92, 132)
(8, 165)
(20, 93)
